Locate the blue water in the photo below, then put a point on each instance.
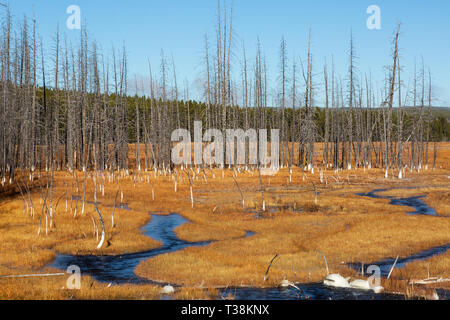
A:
(309, 291)
(120, 268)
(419, 206)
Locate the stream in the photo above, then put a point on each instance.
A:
(119, 269)
(414, 201)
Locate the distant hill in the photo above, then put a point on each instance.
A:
(441, 112)
(436, 111)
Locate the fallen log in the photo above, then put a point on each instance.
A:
(429, 281)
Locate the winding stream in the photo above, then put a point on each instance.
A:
(311, 291)
(414, 201)
(420, 208)
(386, 264)
(120, 268)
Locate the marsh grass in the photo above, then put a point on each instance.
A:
(345, 226)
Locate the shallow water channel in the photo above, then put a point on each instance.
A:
(414, 201)
(120, 268)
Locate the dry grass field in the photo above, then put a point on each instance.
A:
(296, 222)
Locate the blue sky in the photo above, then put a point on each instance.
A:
(178, 27)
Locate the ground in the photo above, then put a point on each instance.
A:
(296, 223)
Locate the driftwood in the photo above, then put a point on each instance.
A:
(33, 275)
(268, 268)
(325, 259)
(429, 281)
(392, 268)
(295, 287)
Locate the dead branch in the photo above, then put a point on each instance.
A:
(268, 268)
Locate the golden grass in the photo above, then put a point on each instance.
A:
(437, 197)
(346, 227)
(402, 280)
(54, 288)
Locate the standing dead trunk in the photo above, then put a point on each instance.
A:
(240, 191)
(100, 217)
(114, 209)
(262, 191)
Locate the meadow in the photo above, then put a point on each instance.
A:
(297, 213)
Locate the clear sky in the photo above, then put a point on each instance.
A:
(178, 27)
